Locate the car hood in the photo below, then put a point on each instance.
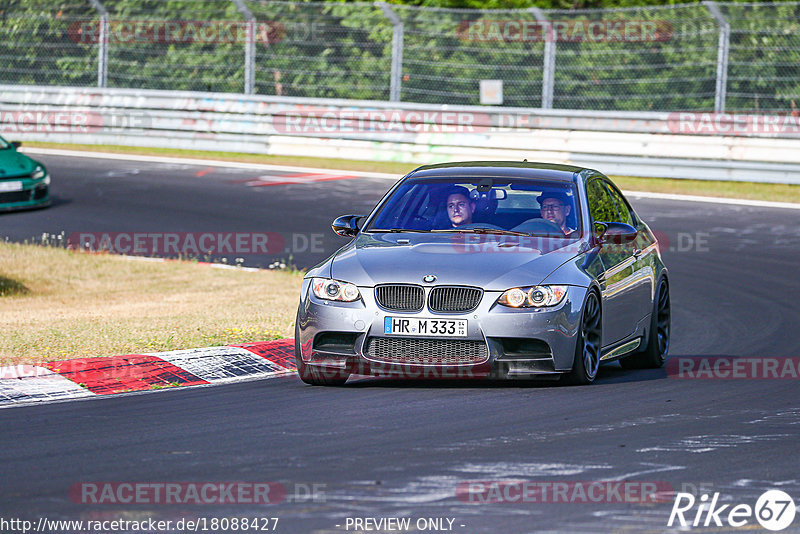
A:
(12, 164)
(493, 262)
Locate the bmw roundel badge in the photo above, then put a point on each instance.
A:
(429, 278)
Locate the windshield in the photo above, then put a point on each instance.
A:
(499, 205)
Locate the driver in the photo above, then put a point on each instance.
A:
(556, 207)
(460, 206)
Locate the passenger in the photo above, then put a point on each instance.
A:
(460, 207)
(556, 207)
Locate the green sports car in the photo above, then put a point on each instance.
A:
(24, 182)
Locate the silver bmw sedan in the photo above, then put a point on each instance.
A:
(487, 270)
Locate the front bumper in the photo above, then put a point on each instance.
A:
(519, 343)
(33, 194)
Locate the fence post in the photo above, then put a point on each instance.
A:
(102, 49)
(397, 51)
(249, 48)
(723, 48)
(549, 60)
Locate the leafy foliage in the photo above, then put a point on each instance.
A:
(344, 50)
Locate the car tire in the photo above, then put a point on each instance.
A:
(312, 375)
(589, 343)
(654, 354)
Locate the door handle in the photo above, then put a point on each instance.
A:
(637, 253)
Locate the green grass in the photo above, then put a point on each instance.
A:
(81, 305)
(744, 190)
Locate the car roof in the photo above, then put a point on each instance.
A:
(500, 169)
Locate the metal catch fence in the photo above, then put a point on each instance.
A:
(709, 56)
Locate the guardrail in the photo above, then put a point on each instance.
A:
(669, 145)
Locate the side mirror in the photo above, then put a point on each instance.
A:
(615, 233)
(16, 144)
(346, 225)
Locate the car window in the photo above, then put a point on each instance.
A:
(625, 213)
(512, 204)
(601, 205)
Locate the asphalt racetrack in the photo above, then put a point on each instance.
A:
(378, 448)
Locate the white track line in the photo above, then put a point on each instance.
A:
(285, 168)
(716, 200)
(206, 162)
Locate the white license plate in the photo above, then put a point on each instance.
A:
(10, 186)
(414, 326)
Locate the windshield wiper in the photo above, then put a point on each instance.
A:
(397, 230)
(483, 231)
(493, 231)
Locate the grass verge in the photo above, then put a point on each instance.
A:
(745, 190)
(57, 304)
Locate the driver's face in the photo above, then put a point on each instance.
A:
(554, 211)
(459, 209)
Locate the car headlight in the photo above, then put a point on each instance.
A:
(533, 296)
(38, 173)
(328, 289)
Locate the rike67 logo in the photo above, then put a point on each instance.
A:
(774, 510)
